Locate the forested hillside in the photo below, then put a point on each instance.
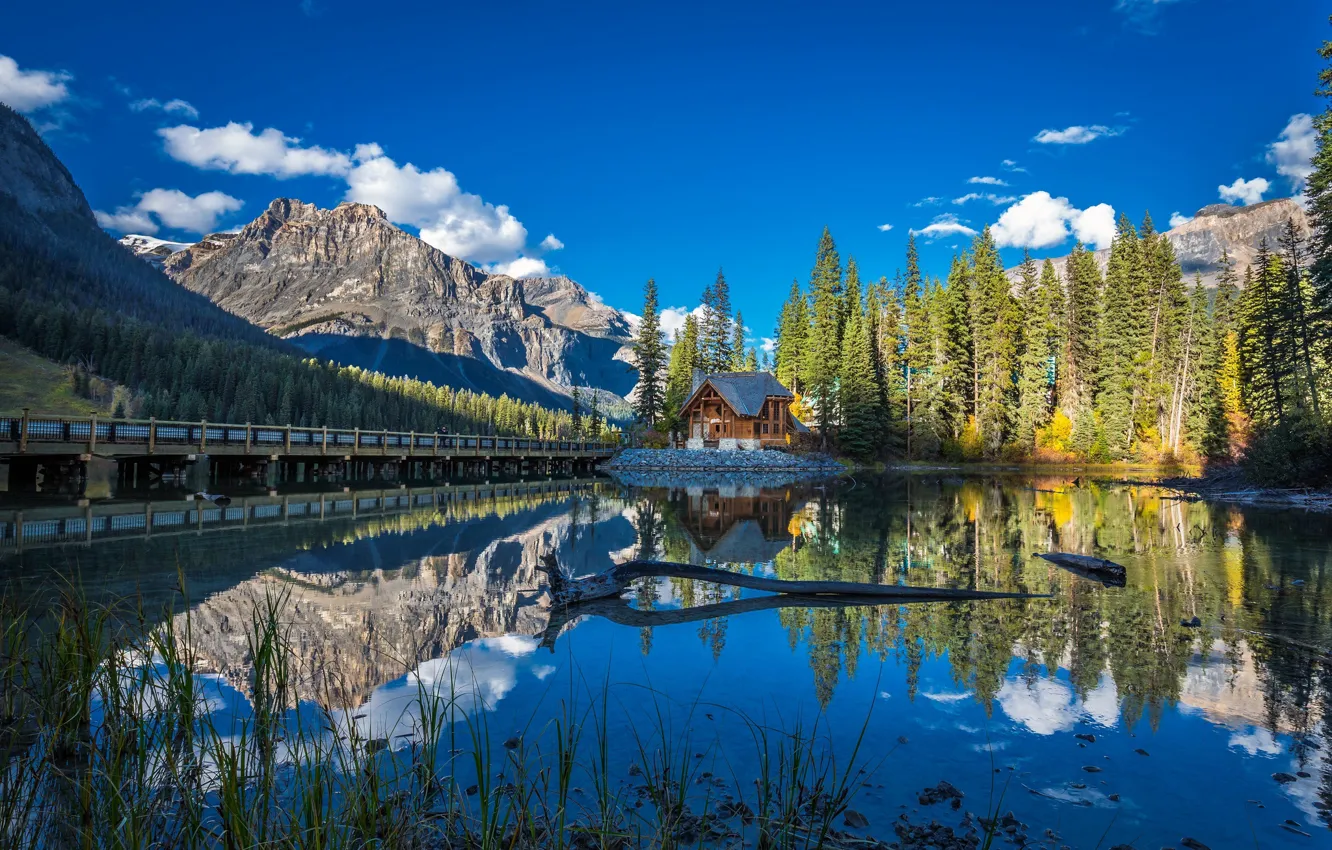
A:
(72, 294)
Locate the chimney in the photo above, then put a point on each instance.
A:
(699, 378)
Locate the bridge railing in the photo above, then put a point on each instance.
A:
(30, 430)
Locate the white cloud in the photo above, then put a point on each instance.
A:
(884, 228)
(672, 319)
(175, 106)
(1076, 135)
(770, 346)
(520, 267)
(127, 220)
(237, 149)
(944, 225)
(172, 208)
(1041, 221)
(988, 196)
(1292, 153)
(1095, 226)
(1141, 13)
(1011, 165)
(927, 202)
(28, 91)
(1178, 218)
(987, 181)
(1244, 191)
(458, 223)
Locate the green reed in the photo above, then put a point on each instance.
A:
(108, 740)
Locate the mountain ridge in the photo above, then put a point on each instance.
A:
(348, 284)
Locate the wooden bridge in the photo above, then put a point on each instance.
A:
(59, 447)
(88, 523)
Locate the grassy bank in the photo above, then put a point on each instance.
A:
(110, 737)
(29, 380)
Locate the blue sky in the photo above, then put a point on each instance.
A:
(666, 140)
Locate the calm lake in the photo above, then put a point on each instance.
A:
(1100, 713)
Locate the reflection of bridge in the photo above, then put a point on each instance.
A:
(42, 527)
(59, 447)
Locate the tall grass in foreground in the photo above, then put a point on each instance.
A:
(110, 738)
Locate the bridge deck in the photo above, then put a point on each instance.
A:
(34, 435)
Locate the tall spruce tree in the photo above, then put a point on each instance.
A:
(716, 328)
(684, 360)
(1265, 357)
(995, 330)
(1120, 334)
(738, 356)
(792, 331)
(1079, 362)
(649, 353)
(858, 392)
(823, 346)
(1318, 192)
(1038, 339)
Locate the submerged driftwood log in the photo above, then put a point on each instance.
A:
(1098, 569)
(601, 594)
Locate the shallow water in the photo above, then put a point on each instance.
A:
(987, 695)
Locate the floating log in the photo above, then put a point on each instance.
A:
(600, 595)
(1098, 569)
(616, 580)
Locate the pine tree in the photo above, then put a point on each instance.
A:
(1266, 362)
(859, 392)
(680, 372)
(738, 344)
(792, 331)
(751, 363)
(1120, 334)
(1038, 346)
(819, 364)
(1226, 323)
(918, 355)
(884, 322)
(994, 328)
(1297, 314)
(715, 332)
(1079, 363)
(648, 355)
(1318, 192)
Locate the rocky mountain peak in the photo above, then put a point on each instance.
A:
(348, 284)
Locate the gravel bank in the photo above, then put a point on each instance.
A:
(684, 460)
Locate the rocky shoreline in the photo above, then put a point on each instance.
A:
(716, 460)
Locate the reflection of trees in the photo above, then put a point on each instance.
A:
(1186, 559)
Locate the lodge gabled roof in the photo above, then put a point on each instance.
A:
(745, 392)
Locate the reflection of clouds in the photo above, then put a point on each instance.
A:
(1047, 706)
(1256, 740)
(946, 697)
(475, 676)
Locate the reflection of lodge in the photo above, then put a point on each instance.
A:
(746, 528)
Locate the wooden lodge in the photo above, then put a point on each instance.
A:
(738, 410)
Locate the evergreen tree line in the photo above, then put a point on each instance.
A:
(189, 376)
(1132, 364)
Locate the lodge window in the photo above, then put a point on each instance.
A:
(765, 427)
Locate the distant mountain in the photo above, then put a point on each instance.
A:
(349, 285)
(1237, 230)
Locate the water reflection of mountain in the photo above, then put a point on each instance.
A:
(368, 611)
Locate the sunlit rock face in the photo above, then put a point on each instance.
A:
(349, 284)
